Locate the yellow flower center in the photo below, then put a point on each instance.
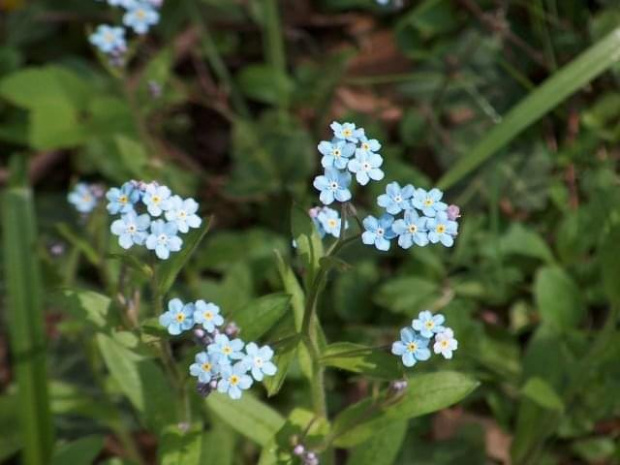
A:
(444, 343)
(227, 350)
(366, 146)
(428, 202)
(332, 223)
(108, 37)
(180, 317)
(86, 198)
(123, 199)
(206, 366)
(234, 380)
(412, 347)
(429, 324)
(208, 315)
(156, 199)
(440, 229)
(347, 133)
(141, 14)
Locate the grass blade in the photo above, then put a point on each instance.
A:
(542, 100)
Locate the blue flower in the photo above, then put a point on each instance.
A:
(182, 213)
(411, 229)
(131, 229)
(156, 198)
(441, 229)
(428, 202)
(108, 39)
(445, 343)
(336, 153)
(122, 200)
(366, 165)
(163, 239)
(205, 367)
(411, 347)
(427, 324)
(314, 214)
(259, 361)
(234, 380)
(82, 198)
(208, 315)
(330, 221)
(230, 350)
(378, 231)
(333, 184)
(346, 131)
(140, 17)
(122, 3)
(396, 199)
(369, 145)
(178, 318)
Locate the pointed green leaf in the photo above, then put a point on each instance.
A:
(180, 447)
(260, 315)
(375, 363)
(78, 452)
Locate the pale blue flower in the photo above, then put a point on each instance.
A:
(182, 213)
(314, 214)
(163, 239)
(427, 324)
(178, 318)
(258, 361)
(336, 153)
(156, 198)
(205, 367)
(378, 231)
(140, 17)
(234, 380)
(441, 229)
(346, 131)
(108, 39)
(428, 202)
(131, 229)
(230, 350)
(122, 200)
(333, 184)
(366, 166)
(208, 315)
(82, 198)
(445, 343)
(330, 221)
(411, 229)
(123, 3)
(411, 347)
(396, 199)
(369, 145)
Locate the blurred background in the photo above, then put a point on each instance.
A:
(511, 106)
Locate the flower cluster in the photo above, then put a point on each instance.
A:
(227, 363)
(85, 197)
(139, 16)
(327, 221)
(425, 219)
(349, 152)
(139, 204)
(415, 339)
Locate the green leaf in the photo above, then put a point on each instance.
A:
(218, 445)
(407, 294)
(520, 240)
(10, 437)
(608, 253)
(78, 242)
(260, 315)
(558, 298)
(572, 77)
(426, 394)
(309, 244)
(180, 447)
(78, 452)
(87, 306)
(26, 321)
(284, 355)
(382, 448)
(375, 363)
(265, 84)
(248, 416)
(542, 393)
(168, 270)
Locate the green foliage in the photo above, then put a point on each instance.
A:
(80, 451)
(374, 363)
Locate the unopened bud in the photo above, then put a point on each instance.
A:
(231, 330)
(453, 212)
(299, 449)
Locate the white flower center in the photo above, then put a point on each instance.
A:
(336, 153)
(413, 229)
(366, 166)
(182, 214)
(162, 239)
(333, 185)
(258, 362)
(131, 228)
(398, 199)
(380, 231)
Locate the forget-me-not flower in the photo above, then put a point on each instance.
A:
(346, 131)
(428, 324)
(208, 315)
(156, 198)
(428, 202)
(258, 361)
(122, 200)
(366, 166)
(131, 229)
(333, 185)
(230, 350)
(411, 347)
(140, 17)
(330, 221)
(369, 145)
(108, 39)
(234, 380)
(205, 366)
(396, 199)
(378, 231)
(82, 198)
(178, 318)
(336, 154)
(182, 213)
(411, 229)
(445, 343)
(441, 229)
(163, 239)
